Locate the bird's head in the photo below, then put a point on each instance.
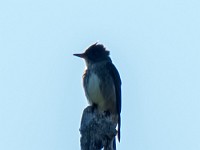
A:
(94, 53)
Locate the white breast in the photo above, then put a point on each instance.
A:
(94, 92)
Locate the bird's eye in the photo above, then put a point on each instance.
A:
(95, 54)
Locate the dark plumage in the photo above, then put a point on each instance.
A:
(101, 81)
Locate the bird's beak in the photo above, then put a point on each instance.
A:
(82, 55)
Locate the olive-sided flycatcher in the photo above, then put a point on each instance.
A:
(101, 81)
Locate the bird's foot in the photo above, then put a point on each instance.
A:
(94, 107)
(107, 113)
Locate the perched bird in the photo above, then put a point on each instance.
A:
(101, 81)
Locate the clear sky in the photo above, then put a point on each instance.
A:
(154, 44)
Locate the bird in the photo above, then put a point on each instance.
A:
(102, 82)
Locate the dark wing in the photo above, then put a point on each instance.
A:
(117, 81)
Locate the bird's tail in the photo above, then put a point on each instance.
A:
(119, 125)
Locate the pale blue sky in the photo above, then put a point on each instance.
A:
(154, 44)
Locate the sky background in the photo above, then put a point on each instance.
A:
(154, 44)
